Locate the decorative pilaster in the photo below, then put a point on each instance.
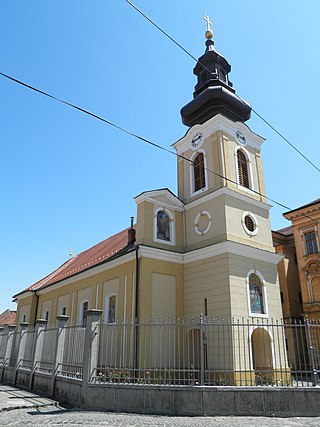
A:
(41, 324)
(91, 345)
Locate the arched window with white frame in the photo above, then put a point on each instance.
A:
(164, 231)
(110, 315)
(198, 172)
(243, 167)
(257, 297)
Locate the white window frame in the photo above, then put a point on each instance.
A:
(303, 233)
(106, 308)
(171, 225)
(249, 165)
(191, 173)
(264, 295)
(255, 222)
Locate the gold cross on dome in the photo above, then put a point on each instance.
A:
(209, 23)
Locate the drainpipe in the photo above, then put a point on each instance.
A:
(36, 310)
(136, 335)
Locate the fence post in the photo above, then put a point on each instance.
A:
(21, 348)
(10, 342)
(311, 354)
(91, 345)
(59, 347)
(38, 347)
(201, 351)
(8, 349)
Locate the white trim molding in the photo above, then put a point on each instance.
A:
(263, 291)
(255, 223)
(215, 124)
(191, 173)
(228, 192)
(172, 237)
(249, 168)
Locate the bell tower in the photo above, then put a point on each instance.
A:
(220, 181)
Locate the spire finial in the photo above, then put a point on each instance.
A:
(209, 33)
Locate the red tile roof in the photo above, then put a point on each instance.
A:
(98, 254)
(8, 317)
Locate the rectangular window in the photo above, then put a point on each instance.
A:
(205, 307)
(311, 243)
(281, 296)
(84, 310)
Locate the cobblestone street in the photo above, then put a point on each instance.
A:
(58, 416)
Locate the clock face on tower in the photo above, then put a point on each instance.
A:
(240, 138)
(196, 140)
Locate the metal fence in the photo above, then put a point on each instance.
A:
(201, 351)
(73, 351)
(210, 352)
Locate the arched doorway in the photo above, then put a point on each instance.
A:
(262, 356)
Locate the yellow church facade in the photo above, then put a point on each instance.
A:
(205, 252)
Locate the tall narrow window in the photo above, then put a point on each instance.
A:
(199, 172)
(243, 169)
(85, 306)
(311, 243)
(257, 305)
(112, 309)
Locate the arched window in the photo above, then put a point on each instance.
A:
(163, 226)
(256, 295)
(199, 178)
(111, 309)
(243, 172)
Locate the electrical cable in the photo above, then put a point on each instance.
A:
(134, 135)
(204, 66)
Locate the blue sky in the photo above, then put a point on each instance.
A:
(68, 180)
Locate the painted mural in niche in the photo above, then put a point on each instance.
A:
(256, 295)
(163, 226)
(112, 309)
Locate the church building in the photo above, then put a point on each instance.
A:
(207, 250)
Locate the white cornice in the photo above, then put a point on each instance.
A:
(215, 124)
(22, 295)
(161, 254)
(234, 248)
(228, 192)
(168, 256)
(151, 196)
(91, 272)
(211, 251)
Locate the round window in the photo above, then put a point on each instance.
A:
(249, 223)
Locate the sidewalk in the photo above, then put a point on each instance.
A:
(14, 398)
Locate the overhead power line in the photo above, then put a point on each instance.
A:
(134, 135)
(205, 67)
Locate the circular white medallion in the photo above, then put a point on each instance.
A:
(202, 223)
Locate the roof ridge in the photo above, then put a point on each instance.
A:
(50, 276)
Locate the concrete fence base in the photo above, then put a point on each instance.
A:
(174, 400)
